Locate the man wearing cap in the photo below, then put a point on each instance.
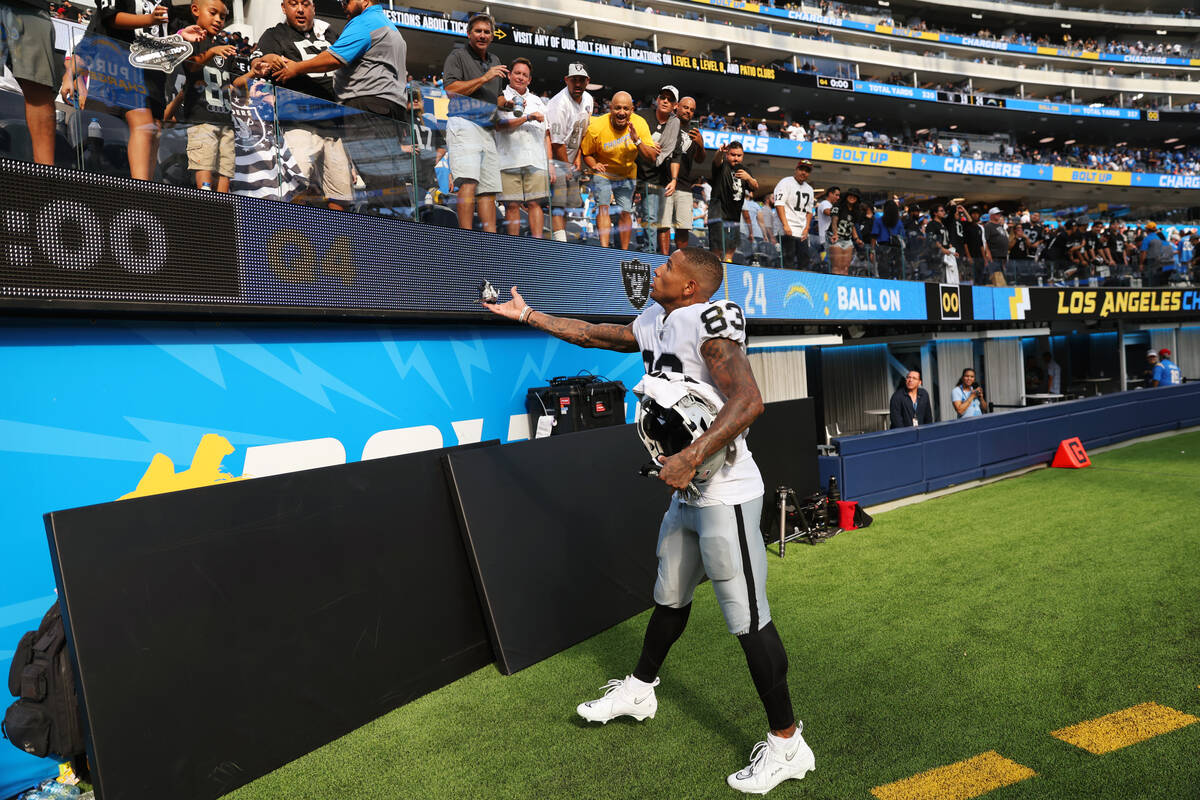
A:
(567, 114)
(996, 237)
(1165, 372)
(657, 176)
(794, 203)
(610, 149)
(1157, 257)
(474, 79)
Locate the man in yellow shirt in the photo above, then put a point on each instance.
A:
(610, 148)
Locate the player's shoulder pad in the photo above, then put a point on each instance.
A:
(720, 319)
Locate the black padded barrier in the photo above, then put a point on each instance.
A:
(784, 443)
(222, 632)
(562, 531)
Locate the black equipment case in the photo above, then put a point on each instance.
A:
(577, 403)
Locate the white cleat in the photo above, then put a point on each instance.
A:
(773, 762)
(621, 700)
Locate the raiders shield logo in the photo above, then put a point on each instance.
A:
(248, 125)
(636, 276)
(161, 53)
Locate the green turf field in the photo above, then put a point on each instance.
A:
(976, 622)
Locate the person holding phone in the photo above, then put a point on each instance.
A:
(967, 396)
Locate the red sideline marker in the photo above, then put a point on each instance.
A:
(1071, 455)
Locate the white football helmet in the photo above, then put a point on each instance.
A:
(671, 420)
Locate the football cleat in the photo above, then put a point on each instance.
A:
(620, 699)
(772, 762)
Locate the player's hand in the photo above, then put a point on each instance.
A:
(266, 65)
(510, 310)
(677, 470)
(287, 70)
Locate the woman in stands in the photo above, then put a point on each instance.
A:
(848, 218)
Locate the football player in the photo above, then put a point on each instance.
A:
(714, 532)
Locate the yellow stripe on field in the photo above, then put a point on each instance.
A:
(960, 781)
(1123, 728)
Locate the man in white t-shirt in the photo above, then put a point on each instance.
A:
(523, 145)
(794, 204)
(567, 114)
(795, 131)
(684, 333)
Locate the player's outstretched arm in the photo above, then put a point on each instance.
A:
(730, 371)
(575, 331)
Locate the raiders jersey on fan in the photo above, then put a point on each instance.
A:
(671, 343)
(284, 40)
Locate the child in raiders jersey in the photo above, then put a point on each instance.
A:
(715, 534)
(205, 100)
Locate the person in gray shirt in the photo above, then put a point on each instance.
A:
(370, 59)
(474, 79)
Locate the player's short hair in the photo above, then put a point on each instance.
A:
(705, 267)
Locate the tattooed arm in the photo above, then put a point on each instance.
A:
(575, 331)
(730, 370)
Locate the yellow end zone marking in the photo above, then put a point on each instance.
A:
(961, 781)
(1123, 728)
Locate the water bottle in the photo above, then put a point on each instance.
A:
(206, 186)
(834, 493)
(94, 129)
(518, 105)
(53, 788)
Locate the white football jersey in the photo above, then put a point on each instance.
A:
(796, 200)
(671, 343)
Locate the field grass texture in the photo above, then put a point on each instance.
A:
(980, 621)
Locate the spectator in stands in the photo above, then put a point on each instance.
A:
(967, 397)
(1156, 256)
(731, 184)
(942, 253)
(679, 214)
(205, 103)
(610, 148)
(794, 205)
(910, 405)
(1053, 374)
(887, 239)
(975, 247)
(1166, 372)
(996, 241)
(658, 175)
(27, 44)
(523, 145)
(370, 59)
(795, 131)
(567, 114)
(116, 88)
(824, 217)
(312, 129)
(847, 217)
(473, 76)
(1064, 252)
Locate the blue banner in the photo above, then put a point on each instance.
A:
(786, 294)
(1069, 110)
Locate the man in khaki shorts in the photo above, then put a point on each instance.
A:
(679, 210)
(27, 45)
(523, 144)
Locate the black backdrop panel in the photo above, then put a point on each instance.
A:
(562, 534)
(784, 443)
(222, 632)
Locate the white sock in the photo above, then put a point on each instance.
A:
(639, 687)
(560, 236)
(780, 742)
